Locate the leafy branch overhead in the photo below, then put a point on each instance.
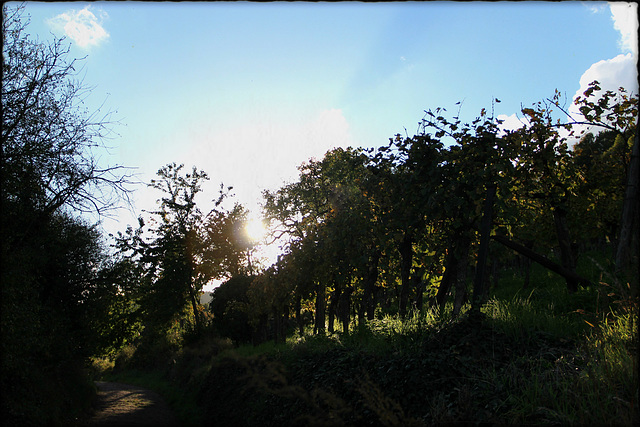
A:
(50, 143)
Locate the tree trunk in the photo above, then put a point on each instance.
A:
(260, 334)
(189, 278)
(567, 256)
(406, 253)
(629, 220)
(319, 327)
(367, 305)
(371, 310)
(298, 308)
(276, 325)
(345, 308)
(495, 273)
(543, 261)
(483, 251)
(333, 307)
(284, 322)
(418, 285)
(462, 266)
(527, 265)
(194, 306)
(447, 279)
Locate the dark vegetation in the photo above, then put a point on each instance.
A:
(464, 275)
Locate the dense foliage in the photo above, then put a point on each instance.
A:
(51, 258)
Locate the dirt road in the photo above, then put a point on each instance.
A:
(126, 405)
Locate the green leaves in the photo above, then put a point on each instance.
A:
(610, 110)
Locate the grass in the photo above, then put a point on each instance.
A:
(587, 374)
(248, 350)
(539, 356)
(523, 320)
(594, 385)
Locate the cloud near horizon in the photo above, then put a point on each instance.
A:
(81, 26)
(512, 122)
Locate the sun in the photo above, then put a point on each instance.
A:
(255, 230)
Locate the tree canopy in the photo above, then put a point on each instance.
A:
(51, 257)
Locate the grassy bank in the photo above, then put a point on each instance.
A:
(537, 356)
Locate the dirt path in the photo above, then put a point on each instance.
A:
(126, 405)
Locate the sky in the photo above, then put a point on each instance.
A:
(249, 91)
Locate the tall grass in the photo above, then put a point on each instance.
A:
(592, 381)
(383, 334)
(594, 385)
(522, 319)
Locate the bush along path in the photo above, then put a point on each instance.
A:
(127, 405)
(468, 372)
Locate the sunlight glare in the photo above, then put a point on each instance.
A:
(255, 230)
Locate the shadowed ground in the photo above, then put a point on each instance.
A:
(126, 405)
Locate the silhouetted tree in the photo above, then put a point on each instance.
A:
(171, 253)
(49, 171)
(229, 306)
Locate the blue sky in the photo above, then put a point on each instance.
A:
(248, 91)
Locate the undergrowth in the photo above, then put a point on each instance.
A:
(536, 356)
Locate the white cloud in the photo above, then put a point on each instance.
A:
(625, 20)
(82, 26)
(620, 71)
(612, 74)
(512, 122)
(265, 153)
(595, 7)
